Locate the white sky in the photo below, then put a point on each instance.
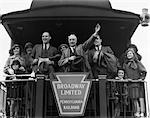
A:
(141, 37)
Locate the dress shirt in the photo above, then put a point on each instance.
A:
(72, 49)
(98, 48)
(46, 46)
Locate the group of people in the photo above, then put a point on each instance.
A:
(91, 56)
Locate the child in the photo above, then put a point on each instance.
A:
(136, 71)
(17, 68)
(120, 74)
(119, 93)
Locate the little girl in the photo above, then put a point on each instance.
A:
(136, 71)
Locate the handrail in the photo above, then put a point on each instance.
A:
(18, 80)
(125, 80)
(30, 78)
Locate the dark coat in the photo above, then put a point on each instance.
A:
(107, 63)
(52, 55)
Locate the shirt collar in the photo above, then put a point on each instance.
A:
(98, 47)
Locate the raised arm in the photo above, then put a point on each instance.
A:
(88, 43)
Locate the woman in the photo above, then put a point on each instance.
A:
(15, 55)
(135, 70)
(14, 65)
(27, 57)
(62, 49)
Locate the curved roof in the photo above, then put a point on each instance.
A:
(48, 3)
(78, 16)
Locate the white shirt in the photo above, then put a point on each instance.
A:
(98, 48)
(72, 49)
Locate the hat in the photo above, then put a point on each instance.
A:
(28, 45)
(62, 45)
(133, 46)
(14, 46)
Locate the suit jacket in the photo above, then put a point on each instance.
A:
(80, 50)
(37, 51)
(52, 54)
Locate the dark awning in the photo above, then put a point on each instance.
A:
(62, 19)
(48, 3)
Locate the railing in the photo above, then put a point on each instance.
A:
(19, 97)
(2, 99)
(121, 97)
(30, 98)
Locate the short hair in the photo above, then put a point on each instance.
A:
(16, 62)
(120, 68)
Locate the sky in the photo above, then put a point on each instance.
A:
(141, 36)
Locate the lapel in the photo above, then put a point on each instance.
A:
(68, 52)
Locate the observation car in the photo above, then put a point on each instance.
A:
(40, 97)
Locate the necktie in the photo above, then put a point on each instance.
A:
(45, 47)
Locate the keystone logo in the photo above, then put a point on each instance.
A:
(71, 91)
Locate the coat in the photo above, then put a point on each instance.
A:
(81, 51)
(52, 55)
(107, 64)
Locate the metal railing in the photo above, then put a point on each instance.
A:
(18, 97)
(108, 98)
(122, 94)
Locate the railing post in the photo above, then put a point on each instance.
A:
(103, 98)
(39, 104)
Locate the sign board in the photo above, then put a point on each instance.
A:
(71, 92)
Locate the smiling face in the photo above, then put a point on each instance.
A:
(130, 54)
(72, 40)
(15, 67)
(46, 37)
(120, 73)
(98, 41)
(63, 48)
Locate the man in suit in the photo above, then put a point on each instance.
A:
(102, 59)
(44, 56)
(74, 58)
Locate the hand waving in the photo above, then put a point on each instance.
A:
(97, 28)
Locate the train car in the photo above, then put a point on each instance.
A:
(43, 97)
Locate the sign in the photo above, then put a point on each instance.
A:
(71, 91)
